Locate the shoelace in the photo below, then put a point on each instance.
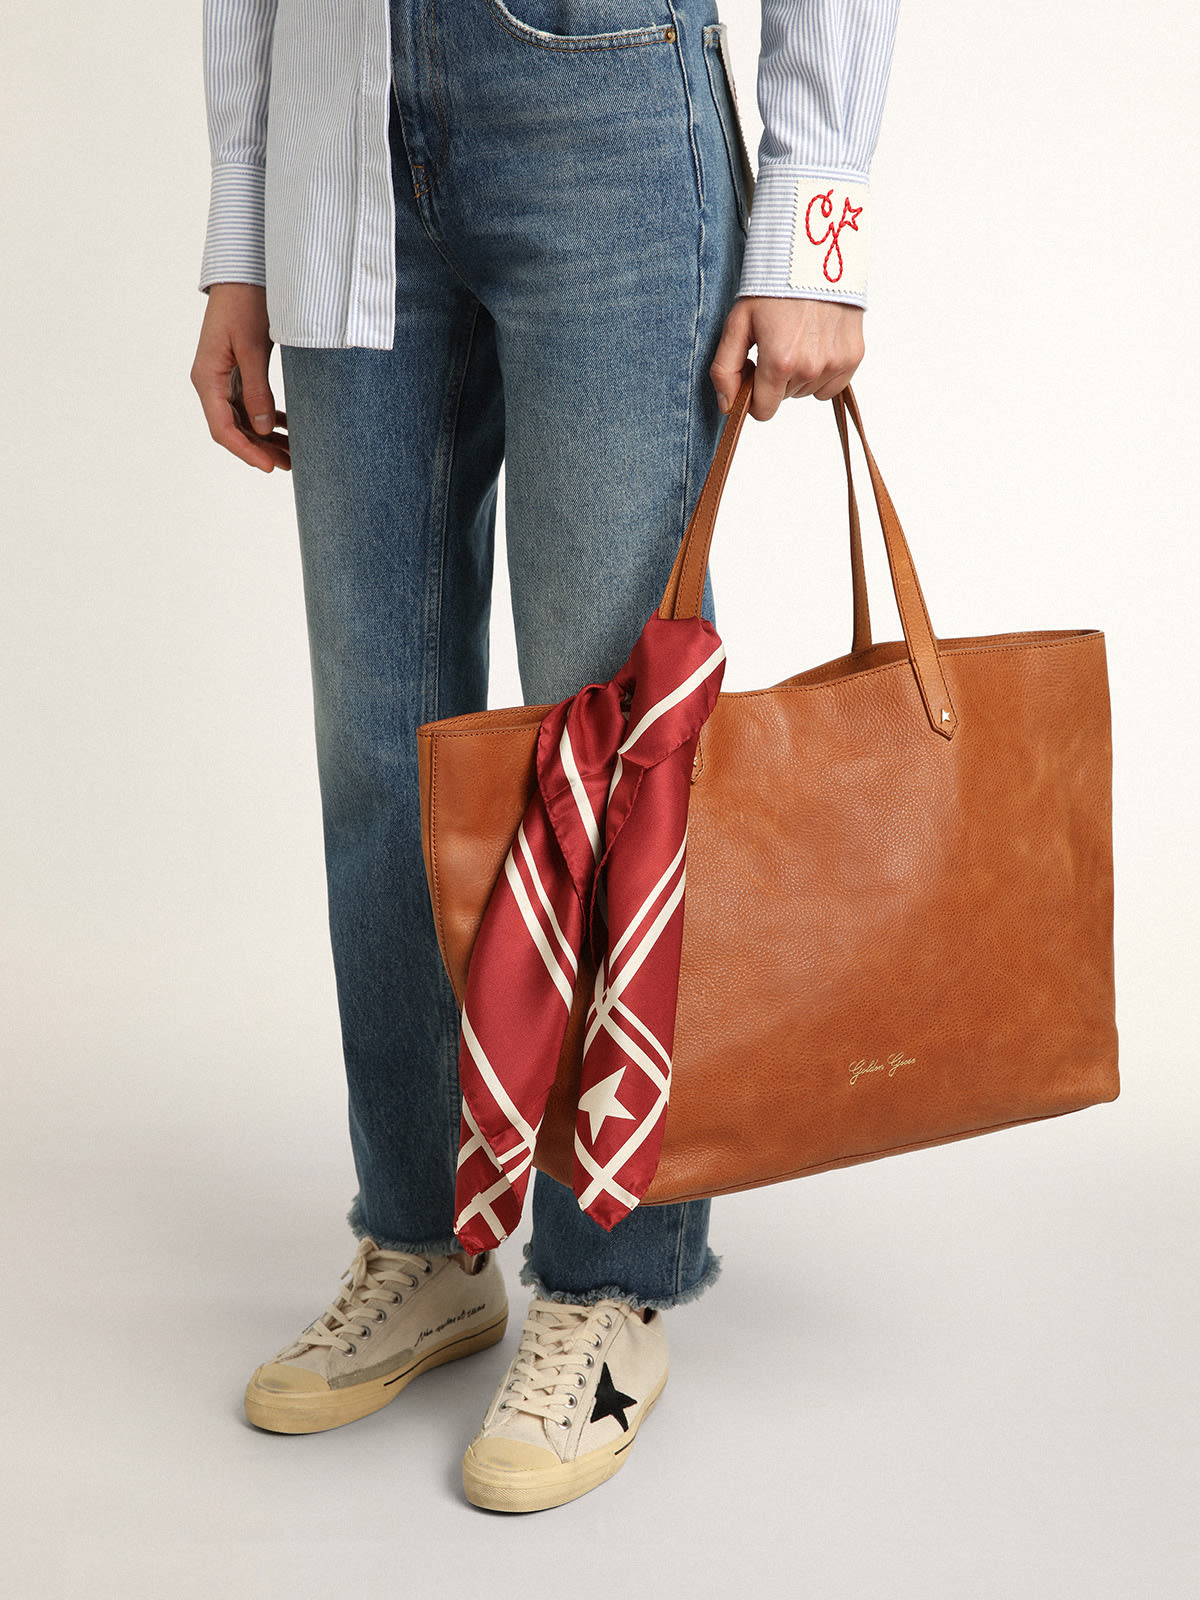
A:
(556, 1353)
(370, 1280)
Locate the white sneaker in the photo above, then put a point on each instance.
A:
(397, 1316)
(569, 1407)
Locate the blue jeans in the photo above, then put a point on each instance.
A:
(569, 234)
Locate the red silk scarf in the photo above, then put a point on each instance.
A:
(600, 853)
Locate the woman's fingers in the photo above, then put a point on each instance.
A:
(730, 362)
(259, 428)
(805, 347)
(230, 375)
(215, 379)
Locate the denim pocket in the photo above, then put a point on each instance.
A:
(551, 11)
(720, 79)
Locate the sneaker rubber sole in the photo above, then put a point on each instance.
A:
(313, 1410)
(538, 1489)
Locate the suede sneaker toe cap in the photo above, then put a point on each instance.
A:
(512, 1455)
(277, 1378)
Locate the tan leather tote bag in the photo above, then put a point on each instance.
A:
(898, 916)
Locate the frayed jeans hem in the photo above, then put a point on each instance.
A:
(611, 1291)
(446, 1245)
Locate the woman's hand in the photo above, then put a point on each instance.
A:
(230, 376)
(804, 347)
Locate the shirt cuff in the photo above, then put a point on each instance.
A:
(234, 245)
(808, 235)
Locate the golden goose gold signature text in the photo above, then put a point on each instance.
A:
(896, 1059)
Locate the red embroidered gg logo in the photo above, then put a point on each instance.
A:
(846, 220)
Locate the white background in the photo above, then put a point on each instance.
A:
(968, 1372)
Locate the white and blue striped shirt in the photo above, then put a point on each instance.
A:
(326, 224)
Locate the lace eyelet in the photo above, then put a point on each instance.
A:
(365, 1331)
(353, 1350)
(606, 1322)
(597, 1341)
(572, 1400)
(580, 1381)
(382, 1317)
(591, 1360)
(562, 1422)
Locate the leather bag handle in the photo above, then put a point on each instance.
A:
(684, 591)
(861, 639)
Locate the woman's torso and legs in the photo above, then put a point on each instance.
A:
(570, 224)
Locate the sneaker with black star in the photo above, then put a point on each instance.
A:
(583, 1380)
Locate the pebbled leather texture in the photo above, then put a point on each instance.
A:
(898, 925)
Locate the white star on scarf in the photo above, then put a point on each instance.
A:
(600, 1102)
